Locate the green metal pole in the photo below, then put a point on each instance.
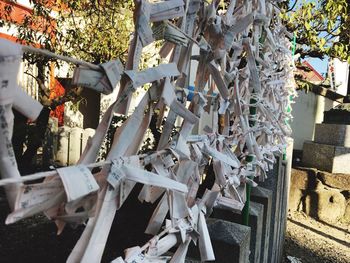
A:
(294, 44)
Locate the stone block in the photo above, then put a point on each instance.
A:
(264, 196)
(338, 180)
(301, 180)
(325, 204)
(330, 158)
(295, 198)
(62, 146)
(190, 260)
(285, 176)
(87, 133)
(274, 183)
(75, 143)
(230, 242)
(278, 181)
(317, 155)
(332, 134)
(255, 223)
(341, 162)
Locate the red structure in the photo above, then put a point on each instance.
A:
(312, 75)
(16, 14)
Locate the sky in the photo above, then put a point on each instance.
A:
(319, 65)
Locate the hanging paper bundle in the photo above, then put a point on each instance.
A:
(244, 58)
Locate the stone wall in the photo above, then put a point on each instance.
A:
(262, 240)
(322, 195)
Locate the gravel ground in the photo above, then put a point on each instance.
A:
(312, 241)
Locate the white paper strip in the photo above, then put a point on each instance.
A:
(152, 74)
(205, 247)
(143, 28)
(149, 178)
(92, 79)
(78, 181)
(114, 70)
(26, 104)
(163, 10)
(220, 156)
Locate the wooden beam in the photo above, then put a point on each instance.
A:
(325, 92)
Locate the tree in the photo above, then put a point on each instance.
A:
(322, 28)
(94, 31)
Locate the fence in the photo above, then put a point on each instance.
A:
(64, 145)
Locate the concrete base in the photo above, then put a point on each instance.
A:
(330, 158)
(332, 134)
(302, 180)
(255, 222)
(327, 205)
(339, 180)
(324, 196)
(230, 242)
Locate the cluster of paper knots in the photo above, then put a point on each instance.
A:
(244, 54)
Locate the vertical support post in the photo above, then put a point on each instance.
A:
(249, 159)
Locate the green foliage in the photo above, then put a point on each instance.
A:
(94, 31)
(303, 85)
(322, 27)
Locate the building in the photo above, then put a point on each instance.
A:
(310, 75)
(309, 107)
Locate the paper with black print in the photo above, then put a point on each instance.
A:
(78, 181)
(224, 43)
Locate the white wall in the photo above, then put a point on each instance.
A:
(341, 74)
(25, 3)
(307, 111)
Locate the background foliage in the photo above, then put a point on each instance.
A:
(95, 31)
(322, 27)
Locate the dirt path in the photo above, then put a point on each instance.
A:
(312, 241)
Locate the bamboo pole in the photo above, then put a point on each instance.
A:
(47, 53)
(41, 175)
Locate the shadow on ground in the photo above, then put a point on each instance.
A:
(313, 241)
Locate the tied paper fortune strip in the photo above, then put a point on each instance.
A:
(244, 58)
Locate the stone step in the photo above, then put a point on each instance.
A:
(332, 134)
(325, 157)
